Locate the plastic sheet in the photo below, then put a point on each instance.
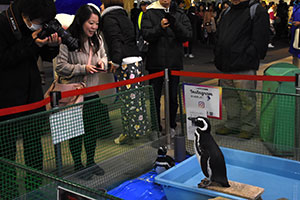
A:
(141, 188)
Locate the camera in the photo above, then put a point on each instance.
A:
(54, 26)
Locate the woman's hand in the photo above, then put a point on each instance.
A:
(91, 69)
(100, 66)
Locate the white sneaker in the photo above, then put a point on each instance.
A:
(270, 45)
(191, 56)
(186, 55)
(172, 132)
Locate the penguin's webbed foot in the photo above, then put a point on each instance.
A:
(204, 183)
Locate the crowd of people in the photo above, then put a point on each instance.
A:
(205, 16)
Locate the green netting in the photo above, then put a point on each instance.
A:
(39, 185)
(78, 142)
(274, 133)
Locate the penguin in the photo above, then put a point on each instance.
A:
(209, 155)
(163, 161)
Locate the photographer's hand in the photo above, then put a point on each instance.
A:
(54, 40)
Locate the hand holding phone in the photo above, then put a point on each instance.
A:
(100, 67)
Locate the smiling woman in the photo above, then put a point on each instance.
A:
(83, 65)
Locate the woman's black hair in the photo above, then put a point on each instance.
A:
(76, 28)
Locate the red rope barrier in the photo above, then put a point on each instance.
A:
(23, 108)
(35, 105)
(32, 106)
(235, 76)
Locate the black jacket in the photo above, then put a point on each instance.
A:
(165, 45)
(241, 41)
(119, 34)
(20, 81)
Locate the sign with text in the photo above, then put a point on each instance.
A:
(201, 100)
(66, 194)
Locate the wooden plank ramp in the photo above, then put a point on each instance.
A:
(241, 190)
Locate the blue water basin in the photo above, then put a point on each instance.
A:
(279, 177)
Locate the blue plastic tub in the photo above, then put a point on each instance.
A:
(279, 177)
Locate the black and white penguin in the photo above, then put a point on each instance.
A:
(163, 161)
(209, 155)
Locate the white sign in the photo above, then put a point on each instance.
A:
(66, 124)
(201, 100)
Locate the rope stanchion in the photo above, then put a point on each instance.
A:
(235, 76)
(35, 105)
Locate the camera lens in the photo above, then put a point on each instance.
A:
(54, 26)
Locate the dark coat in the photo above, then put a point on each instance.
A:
(118, 32)
(241, 42)
(20, 81)
(165, 45)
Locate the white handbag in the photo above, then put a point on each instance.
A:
(296, 39)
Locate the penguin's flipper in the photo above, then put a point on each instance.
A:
(204, 164)
(170, 160)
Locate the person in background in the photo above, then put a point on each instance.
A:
(209, 24)
(134, 14)
(295, 21)
(126, 63)
(191, 13)
(241, 43)
(143, 48)
(272, 16)
(200, 30)
(84, 65)
(225, 4)
(20, 48)
(165, 27)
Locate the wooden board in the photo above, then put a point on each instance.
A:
(240, 189)
(219, 198)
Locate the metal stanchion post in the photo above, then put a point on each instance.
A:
(179, 144)
(167, 108)
(55, 96)
(297, 118)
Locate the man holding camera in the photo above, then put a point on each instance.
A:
(165, 27)
(20, 81)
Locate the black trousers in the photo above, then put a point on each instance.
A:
(157, 85)
(95, 114)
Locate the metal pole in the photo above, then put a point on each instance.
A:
(179, 143)
(167, 109)
(55, 96)
(297, 118)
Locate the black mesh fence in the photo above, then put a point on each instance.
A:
(97, 144)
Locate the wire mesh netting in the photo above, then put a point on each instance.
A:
(98, 143)
(40, 185)
(274, 128)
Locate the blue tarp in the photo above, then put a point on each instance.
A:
(141, 188)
